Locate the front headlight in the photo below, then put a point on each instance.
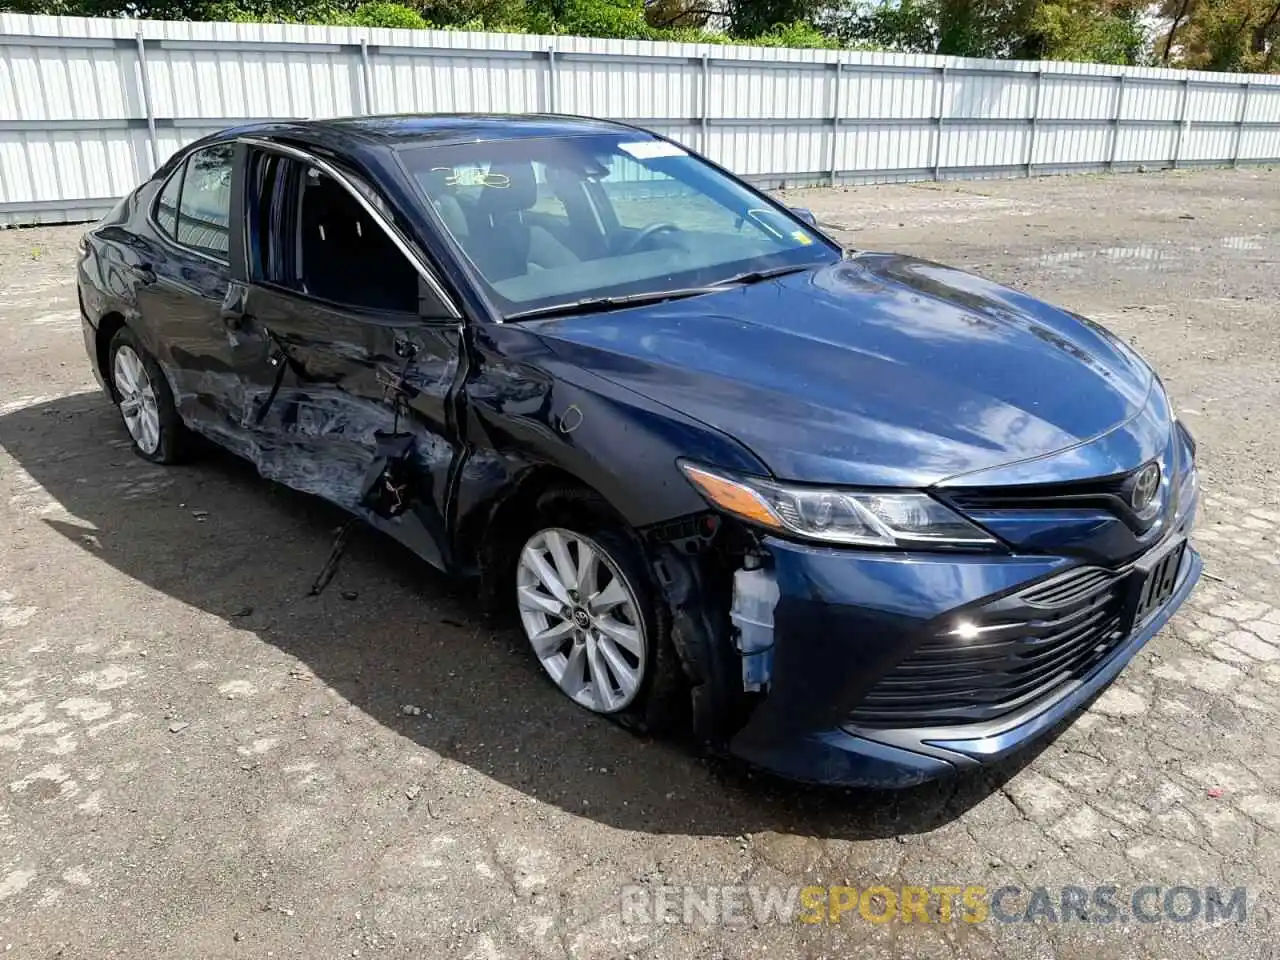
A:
(865, 518)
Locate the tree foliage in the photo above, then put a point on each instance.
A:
(1092, 31)
(1230, 35)
(1087, 32)
(1233, 35)
(383, 14)
(589, 18)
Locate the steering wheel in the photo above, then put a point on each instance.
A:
(647, 234)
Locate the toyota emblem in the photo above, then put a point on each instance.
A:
(1145, 486)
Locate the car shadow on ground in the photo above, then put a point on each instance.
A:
(391, 631)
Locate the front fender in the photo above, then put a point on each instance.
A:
(526, 408)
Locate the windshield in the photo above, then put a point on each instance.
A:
(554, 221)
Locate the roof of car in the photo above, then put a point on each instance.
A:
(436, 128)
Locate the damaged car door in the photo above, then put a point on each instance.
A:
(348, 350)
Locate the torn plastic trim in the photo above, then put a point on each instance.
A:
(690, 535)
(755, 595)
(391, 483)
(278, 360)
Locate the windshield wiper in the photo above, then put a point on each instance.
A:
(600, 304)
(755, 276)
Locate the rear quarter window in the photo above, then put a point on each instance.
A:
(204, 210)
(167, 205)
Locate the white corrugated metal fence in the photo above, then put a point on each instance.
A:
(88, 108)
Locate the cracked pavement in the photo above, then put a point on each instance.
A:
(198, 760)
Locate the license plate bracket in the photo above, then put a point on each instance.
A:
(1153, 581)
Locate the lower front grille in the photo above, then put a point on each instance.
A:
(1003, 656)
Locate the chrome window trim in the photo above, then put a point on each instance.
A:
(331, 171)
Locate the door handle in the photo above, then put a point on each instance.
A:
(144, 274)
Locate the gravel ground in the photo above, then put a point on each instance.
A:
(197, 760)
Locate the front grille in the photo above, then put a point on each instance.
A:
(1105, 493)
(1003, 656)
(1112, 494)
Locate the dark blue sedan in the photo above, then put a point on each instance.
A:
(854, 517)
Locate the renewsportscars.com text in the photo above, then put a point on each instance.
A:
(937, 903)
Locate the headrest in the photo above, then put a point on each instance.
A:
(451, 213)
(518, 190)
(329, 209)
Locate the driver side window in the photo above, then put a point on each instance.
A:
(345, 256)
(312, 236)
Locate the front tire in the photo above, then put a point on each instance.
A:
(608, 648)
(583, 616)
(144, 399)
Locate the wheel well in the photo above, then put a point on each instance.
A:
(497, 537)
(695, 679)
(108, 327)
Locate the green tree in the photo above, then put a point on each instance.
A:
(383, 14)
(1231, 35)
(800, 34)
(681, 14)
(1088, 32)
(589, 18)
(803, 21)
(908, 26)
(1100, 31)
(472, 14)
(751, 18)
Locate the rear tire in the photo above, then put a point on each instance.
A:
(145, 402)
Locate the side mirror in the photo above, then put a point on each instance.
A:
(805, 214)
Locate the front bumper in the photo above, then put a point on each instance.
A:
(845, 620)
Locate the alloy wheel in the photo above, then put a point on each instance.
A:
(582, 618)
(137, 399)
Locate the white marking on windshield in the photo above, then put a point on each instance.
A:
(652, 149)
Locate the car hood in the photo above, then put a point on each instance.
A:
(877, 370)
